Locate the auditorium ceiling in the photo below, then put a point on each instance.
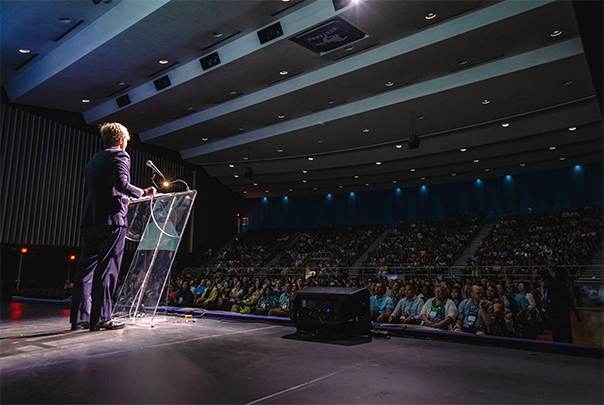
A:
(304, 97)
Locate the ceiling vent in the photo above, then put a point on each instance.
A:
(210, 61)
(269, 33)
(123, 100)
(162, 83)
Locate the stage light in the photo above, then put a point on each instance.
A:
(166, 184)
(24, 250)
(72, 257)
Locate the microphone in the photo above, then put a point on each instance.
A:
(155, 169)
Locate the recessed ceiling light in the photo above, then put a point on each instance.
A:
(283, 72)
(430, 16)
(241, 129)
(320, 141)
(555, 33)
(389, 84)
(304, 171)
(231, 166)
(245, 158)
(304, 181)
(122, 83)
(552, 148)
(463, 62)
(420, 117)
(423, 178)
(505, 124)
(366, 184)
(236, 176)
(378, 163)
(486, 170)
(330, 102)
(485, 101)
(24, 51)
(281, 117)
(476, 160)
(314, 188)
(232, 92)
(244, 192)
(163, 62)
(356, 177)
(398, 146)
(463, 149)
(349, 48)
(562, 158)
(394, 181)
(217, 34)
(85, 100)
(412, 169)
(204, 139)
(266, 191)
(366, 130)
(522, 164)
(341, 186)
(279, 150)
(65, 20)
(572, 128)
(189, 108)
(291, 189)
(310, 158)
(567, 82)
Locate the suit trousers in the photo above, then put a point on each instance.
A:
(97, 272)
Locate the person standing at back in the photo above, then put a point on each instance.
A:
(103, 230)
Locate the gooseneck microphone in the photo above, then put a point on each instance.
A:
(155, 169)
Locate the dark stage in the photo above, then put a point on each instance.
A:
(229, 360)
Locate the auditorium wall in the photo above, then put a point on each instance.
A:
(570, 187)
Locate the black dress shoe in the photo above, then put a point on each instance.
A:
(107, 325)
(80, 325)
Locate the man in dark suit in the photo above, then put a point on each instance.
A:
(103, 231)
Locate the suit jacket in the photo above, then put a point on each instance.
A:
(108, 188)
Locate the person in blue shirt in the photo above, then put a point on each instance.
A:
(380, 305)
(408, 309)
(475, 314)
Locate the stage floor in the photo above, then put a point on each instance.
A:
(227, 361)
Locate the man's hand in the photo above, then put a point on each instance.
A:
(150, 191)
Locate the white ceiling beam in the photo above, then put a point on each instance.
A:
(119, 18)
(501, 67)
(455, 27)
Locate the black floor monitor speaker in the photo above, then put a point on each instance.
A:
(332, 311)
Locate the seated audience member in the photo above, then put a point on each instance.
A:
(247, 302)
(172, 292)
(510, 308)
(427, 292)
(224, 303)
(408, 309)
(236, 292)
(200, 288)
(184, 297)
(284, 301)
(380, 305)
(267, 302)
(209, 298)
(492, 295)
(499, 327)
(475, 314)
(439, 312)
(456, 295)
(278, 290)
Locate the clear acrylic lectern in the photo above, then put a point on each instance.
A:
(157, 224)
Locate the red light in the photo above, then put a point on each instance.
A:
(23, 250)
(72, 257)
